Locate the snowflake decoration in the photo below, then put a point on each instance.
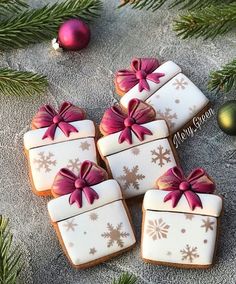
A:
(115, 235)
(207, 224)
(157, 229)
(167, 116)
(130, 177)
(70, 225)
(161, 155)
(45, 161)
(180, 84)
(93, 216)
(193, 110)
(189, 253)
(189, 216)
(84, 146)
(92, 251)
(74, 165)
(135, 151)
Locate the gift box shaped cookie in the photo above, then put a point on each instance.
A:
(89, 215)
(174, 97)
(58, 139)
(181, 220)
(136, 147)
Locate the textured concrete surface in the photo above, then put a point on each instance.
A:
(85, 78)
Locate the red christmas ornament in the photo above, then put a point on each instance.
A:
(73, 34)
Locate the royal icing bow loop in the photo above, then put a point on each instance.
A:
(115, 120)
(197, 182)
(66, 182)
(142, 69)
(48, 117)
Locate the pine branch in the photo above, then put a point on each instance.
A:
(37, 25)
(208, 22)
(12, 6)
(224, 79)
(125, 278)
(10, 259)
(14, 82)
(183, 4)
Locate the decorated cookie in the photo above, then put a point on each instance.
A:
(136, 147)
(174, 97)
(58, 139)
(89, 215)
(181, 220)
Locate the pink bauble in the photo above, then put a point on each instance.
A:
(73, 34)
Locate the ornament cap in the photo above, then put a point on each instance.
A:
(56, 45)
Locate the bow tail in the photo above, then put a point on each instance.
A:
(155, 77)
(76, 197)
(125, 135)
(140, 131)
(67, 128)
(50, 133)
(90, 194)
(174, 196)
(143, 85)
(193, 199)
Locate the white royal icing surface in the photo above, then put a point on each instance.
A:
(46, 161)
(137, 168)
(179, 238)
(109, 144)
(169, 68)
(211, 203)
(178, 101)
(97, 233)
(108, 191)
(33, 138)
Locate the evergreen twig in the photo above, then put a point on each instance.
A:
(182, 4)
(10, 258)
(223, 79)
(14, 82)
(208, 22)
(12, 6)
(125, 278)
(36, 25)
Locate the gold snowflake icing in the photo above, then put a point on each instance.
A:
(45, 161)
(84, 145)
(161, 156)
(115, 235)
(74, 165)
(135, 151)
(189, 216)
(189, 253)
(70, 225)
(180, 84)
(130, 177)
(207, 224)
(92, 251)
(157, 229)
(167, 116)
(93, 216)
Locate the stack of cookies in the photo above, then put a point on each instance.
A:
(91, 178)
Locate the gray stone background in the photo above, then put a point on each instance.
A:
(86, 79)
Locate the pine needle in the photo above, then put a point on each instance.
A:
(14, 82)
(10, 259)
(224, 79)
(125, 278)
(12, 6)
(208, 22)
(36, 25)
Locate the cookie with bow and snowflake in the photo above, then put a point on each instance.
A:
(63, 138)
(136, 147)
(174, 97)
(89, 215)
(181, 220)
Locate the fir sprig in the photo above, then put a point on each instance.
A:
(125, 278)
(14, 82)
(208, 22)
(223, 79)
(36, 25)
(10, 258)
(12, 6)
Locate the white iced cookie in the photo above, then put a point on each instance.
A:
(90, 217)
(181, 222)
(174, 97)
(136, 148)
(58, 139)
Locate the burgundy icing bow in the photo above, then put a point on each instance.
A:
(141, 71)
(48, 117)
(115, 120)
(175, 181)
(67, 182)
